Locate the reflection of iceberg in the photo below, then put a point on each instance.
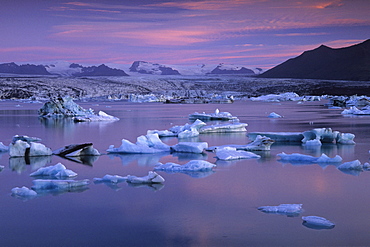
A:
(142, 159)
(316, 222)
(19, 163)
(290, 210)
(58, 171)
(23, 193)
(81, 153)
(189, 156)
(229, 153)
(152, 186)
(145, 145)
(296, 158)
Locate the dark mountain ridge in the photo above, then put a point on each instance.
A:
(348, 63)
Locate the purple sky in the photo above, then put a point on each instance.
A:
(255, 33)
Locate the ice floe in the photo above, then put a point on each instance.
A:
(260, 143)
(217, 115)
(190, 147)
(290, 210)
(58, 171)
(297, 158)
(351, 165)
(274, 115)
(224, 128)
(353, 110)
(23, 193)
(40, 185)
(24, 146)
(289, 96)
(147, 144)
(110, 179)
(191, 166)
(152, 177)
(229, 153)
(3, 148)
(316, 222)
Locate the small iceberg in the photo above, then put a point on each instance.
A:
(351, 165)
(110, 179)
(289, 96)
(224, 128)
(102, 116)
(290, 210)
(58, 171)
(152, 177)
(261, 143)
(190, 147)
(59, 185)
(274, 115)
(353, 110)
(191, 166)
(297, 158)
(229, 153)
(75, 150)
(23, 193)
(217, 115)
(316, 222)
(3, 148)
(145, 145)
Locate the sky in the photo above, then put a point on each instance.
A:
(254, 33)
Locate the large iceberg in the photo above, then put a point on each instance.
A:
(190, 147)
(145, 145)
(58, 171)
(24, 146)
(290, 210)
(217, 115)
(59, 107)
(316, 222)
(229, 153)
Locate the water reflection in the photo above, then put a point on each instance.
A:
(142, 159)
(190, 156)
(19, 164)
(83, 159)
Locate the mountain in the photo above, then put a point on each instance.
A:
(348, 63)
(24, 69)
(152, 68)
(101, 70)
(223, 69)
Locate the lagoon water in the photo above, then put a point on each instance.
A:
(215, 209)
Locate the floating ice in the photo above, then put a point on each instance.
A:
(152, 177)
(274, 115)
(191, 166)
(352, 165)
(3, 148)
(316, 222)
(296, 158)
(23, 193)
(58, 171)
(190, 147)
(229, 153)
(283, 209)
(110, 179)
(59, 185)
(73, 150)
(278, 136)
(102, 116)
(144, 145)
(260, 143)
(217, 115)
(21, 149)
(224, 128)
(289, 96)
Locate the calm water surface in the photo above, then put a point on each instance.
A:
(216, 209)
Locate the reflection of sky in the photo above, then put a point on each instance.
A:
(248, 32)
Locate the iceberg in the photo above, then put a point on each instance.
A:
(59, 185)
(58, 171)
(229, 153)
(110, 179)
(290, 210)
(274, 115)
(224, 128)
(3, 148)
(191, 166)
(190, 147)
(296, 158)
(316, 222)
(353, 110)
(74, 150)
(21, 148)
(23, 193)
(351, 165)
(278, 136)
(217, 115)
(145, 145)
(152, 177)
(59, 107)
(260, 143)
(289, 96)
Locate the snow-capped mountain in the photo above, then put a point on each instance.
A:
(152, 68)
(234, 69)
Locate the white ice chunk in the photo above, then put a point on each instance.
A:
(190, 147)
(111, 179)
(217, 115)
(102, 116)
(317, 222)
(59, 185)
(23, 193)
(346, 138)
(229, 153)
(57, 171)
(351, 165)
(308, 159)
(285, 209)
(152, 177)
(224, 128)
(21, 148)
(274, 115)
(353, 110)
(191, 166)
(289, 96)
(325, 135)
